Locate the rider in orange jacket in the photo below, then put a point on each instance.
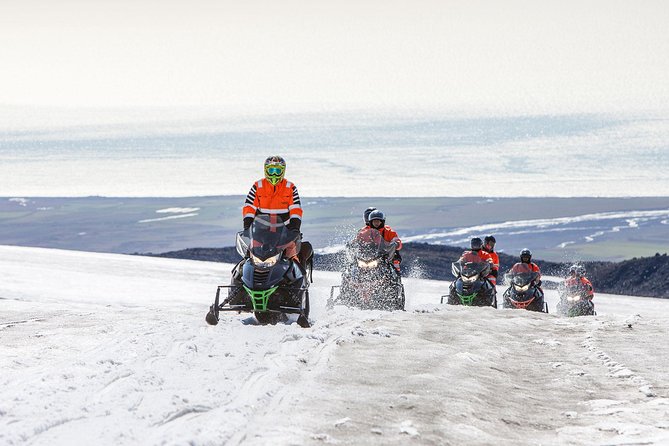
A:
(275, 195)
(377, 220)
(477, 254)
(577, 277)
(526, 258)
(489, 247)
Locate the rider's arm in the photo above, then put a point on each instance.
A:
(391, 236)
(588, 285)
(294, 209)
(250, 206)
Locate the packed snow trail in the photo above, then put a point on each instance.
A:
(112, 349)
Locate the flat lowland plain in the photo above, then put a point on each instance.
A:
(554, 228)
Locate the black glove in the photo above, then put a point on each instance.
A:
(247, 222)
(494, 273)
(294, 224)
(295, 234)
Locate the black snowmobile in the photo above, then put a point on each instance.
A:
(470, 286)
(370, 281)
(524, 292)
(265, 282)
(574, 301)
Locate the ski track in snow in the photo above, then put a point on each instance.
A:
(112, 349)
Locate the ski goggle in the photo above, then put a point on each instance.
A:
(274, 170)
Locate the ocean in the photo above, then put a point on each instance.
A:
(155, 153)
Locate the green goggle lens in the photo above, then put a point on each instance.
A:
(274, 170)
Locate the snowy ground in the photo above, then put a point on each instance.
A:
(113, 350)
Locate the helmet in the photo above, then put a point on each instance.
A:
(525, 255)
(577, 270)
(377, 215)
(476, 243)
(488, 239)
(275, 169)
(366, 214)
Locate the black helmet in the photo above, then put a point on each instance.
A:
(377, 215)
(489, 238)
(476, 243)
(525, 254)
(365, 215)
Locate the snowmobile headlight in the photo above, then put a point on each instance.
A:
(521, 288)
(470, 279)
(573, 298)
(372, 264)
(267, 263)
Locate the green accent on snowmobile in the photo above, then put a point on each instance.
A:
(467, 299)
(259, 299)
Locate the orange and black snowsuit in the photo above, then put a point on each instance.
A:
(282, 200)
(495, 265)
(572, 281)
(266, 198)
(535, 268)
(390, 236)
(477, 257)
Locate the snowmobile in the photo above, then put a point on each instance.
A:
(265, 282)
(523, 291)
(574, 301)
(370, 281)
(470, 286)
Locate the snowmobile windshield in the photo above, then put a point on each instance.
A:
(269, 236)
(369, 244)
(470, 269)
(521, 274)
(572, 287)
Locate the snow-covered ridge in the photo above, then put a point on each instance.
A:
(176, 210)
(113, 350)
(561, 224)
(181, 213)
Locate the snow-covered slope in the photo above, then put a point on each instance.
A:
(111, 349)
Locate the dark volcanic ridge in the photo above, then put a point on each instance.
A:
(645, 276)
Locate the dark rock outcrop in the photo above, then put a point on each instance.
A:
(646, 276)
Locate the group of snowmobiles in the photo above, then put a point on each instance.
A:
(272, 287)
(472, 287)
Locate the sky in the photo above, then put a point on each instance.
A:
(532, 56)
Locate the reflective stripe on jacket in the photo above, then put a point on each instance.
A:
(265, 198)
(495, 259)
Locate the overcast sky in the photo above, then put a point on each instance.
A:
(531, 55)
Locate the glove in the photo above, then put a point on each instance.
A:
(294, 224)
(247, 222)
(295, 233)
